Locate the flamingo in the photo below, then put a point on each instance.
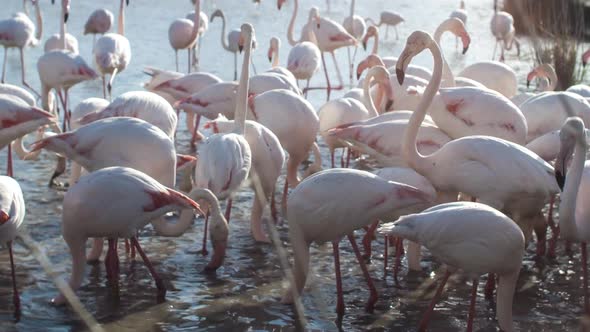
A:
(330, 36)
(134, 197)
(62, 40)
(215, 99)
(19, 92)
(157, 77)
(203, 27)
(581, 89)
(231, 43)
(100, 21)
(494, 75)
(225, 159)
(573, 214)
(144, 105)
(482, 227)
(304, 57)
(267, 162)
(20, 32)
(17, 119)
(502, 26)
(356, 27)
(61, 70)
(315, 214)
(388, 62)
(388, 18)
(273, 57)
(461, 14)
(112, 52)
(292, 119)
(183, 34)
(520, 187)
(12, 215)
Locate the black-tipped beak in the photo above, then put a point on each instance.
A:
(388, 104)
(400, 75)
(270, 59)
(66, 15)
(465, 50)
(279, 5)
(364, 45)
(240, 48)
(584, 64)
(528, 83)
(358, 76)
(318, 25)
(53, 2)
(127, 2)
(560, 178)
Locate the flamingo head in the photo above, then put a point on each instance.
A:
(381, 76)
(370, 61)
(280, 4)
(65, 4)
(246, 34)
(572, 133)
(184, 161)
(217, 13)
(372, 31)
(314, 15)
(19, 119)
(4, 217)
(542, 70)
(275, 44)
(457, 27)
(219, 232)
(417, 42)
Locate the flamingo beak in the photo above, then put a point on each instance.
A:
(66, 15)
(4, 217)
(400, 75)
(127, 2)
(560, 178)
(530, 77)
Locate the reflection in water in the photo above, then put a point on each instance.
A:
(244, 294)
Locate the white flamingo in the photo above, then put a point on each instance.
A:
(183, 34)
(482, 227)
(388, 18)
(100, 21)
(12, 215)
(62, 40)
(112, 52)
(355, 26)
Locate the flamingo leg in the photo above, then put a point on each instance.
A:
(104, 88)
(385, 256)
(204, 251)
(372, 290)
(399, 245)
(9, 166)
(495, 47)
(113, 263)
(196, 131)
(348, 154)
(188, 50)
(96, 250)
(176, 56)
(340, 296)
(368, 238)
(306, 88)
(4, 64)
(472, 305)
(426, 317)
(342, 157)
(341, 83)
(328, 87)
(127, 246)
(554, 228)
(396, 33)
(585, 277)
(273, 208)
(284, 198)
(386, 31)
(64, 104)
(350, 65)
(15, 295)
(159, 283)
(228, 209)
(332, 157)
(235, 66)
(23, 73)
(490, 286)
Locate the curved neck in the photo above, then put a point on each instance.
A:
(62, 30)
(411, 154)
(223, 39)
(164, 227)
(504, 298)
(552, 76)
(242, 96)
(24, 153)
(567, 207)
(39, 18)
(376, 42)
(275, 58)
(121, 27)
(290, 38)
(449, 78)
(351, 9)
(367, 94)
(196, 20)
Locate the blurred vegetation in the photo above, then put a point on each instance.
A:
(556, 29)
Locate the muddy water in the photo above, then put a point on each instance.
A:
(244, 293)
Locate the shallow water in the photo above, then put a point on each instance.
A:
(244, 293)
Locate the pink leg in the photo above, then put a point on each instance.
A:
(204, 251)
(196, 131)
(348, 153)
(148, 264)
(372, 290)
(585, 277)
(541, 233)
(15, 295)
(328, 88)
(284, 198)
(426, 317)
(490, 286)
(332, 158)
(9, 166)
(472, 305)
(228, 209)
(385, 256)
(340, 296)
(554, 228)
(368, 238)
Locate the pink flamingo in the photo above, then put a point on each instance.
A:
(183, 34)
(19, 31)
(138, 198)
(112, 52)
(388, 18)
(62, 40)
(356, 27)
(482, 227)
(100, 21)
(12, 215)
(315, 214)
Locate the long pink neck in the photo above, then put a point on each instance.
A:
(504, 298)
(447, 73)
(290, 37)
(567, 207)
(196, 20)
(376, 43)
(410, 150)
(121, 26)
(242, 96)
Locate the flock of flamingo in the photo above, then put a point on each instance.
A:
(465, 164)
